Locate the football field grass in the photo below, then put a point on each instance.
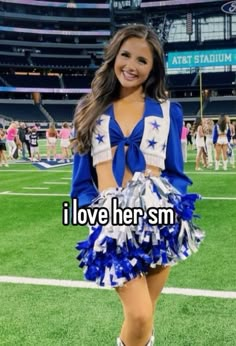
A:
(35, 244)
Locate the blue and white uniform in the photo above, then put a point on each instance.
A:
(114, 254)
(221, 137)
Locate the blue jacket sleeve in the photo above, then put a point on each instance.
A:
(84, 180)
(174, 165)
(228, 134)
(215, 134)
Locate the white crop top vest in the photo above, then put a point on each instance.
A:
(148, 136)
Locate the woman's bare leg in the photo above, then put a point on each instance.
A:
(204, 157)
(138, 312)
(218, 151)
(48, 152)
(224, 154)
(139, 297)
(156, 280)
(54, 152)
(217, 158)
(198, 158)
(224, 151)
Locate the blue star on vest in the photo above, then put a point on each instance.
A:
(99, 138)
(151, 143)
(155, 125)
(99, 121)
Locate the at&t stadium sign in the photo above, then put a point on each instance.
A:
(220, 57)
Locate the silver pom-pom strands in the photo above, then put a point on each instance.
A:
(116, 253)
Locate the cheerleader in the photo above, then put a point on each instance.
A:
(200, 144)
(221, 140)
(209, 125)
(230, 151)
(129, 151)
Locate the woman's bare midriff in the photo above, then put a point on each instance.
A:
(107, 180)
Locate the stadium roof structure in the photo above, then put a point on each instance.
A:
(51, 36)
(50, 50)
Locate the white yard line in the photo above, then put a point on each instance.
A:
(56, 165)
(85, 284)
(220, 198)
(35, 188)
(55, 182)
(9, 193)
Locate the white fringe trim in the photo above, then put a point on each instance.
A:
(154, 160)
(102, 156)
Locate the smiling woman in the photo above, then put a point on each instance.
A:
(133, 63)
(129, 152)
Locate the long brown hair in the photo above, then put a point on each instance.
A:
(222, 122)
(105, 86)
(197, 122)
(52, 132)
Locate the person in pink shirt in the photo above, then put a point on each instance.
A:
(10, 137)
(51, 136)
(65, 142)
(184, 135)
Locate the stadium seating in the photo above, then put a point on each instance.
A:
(190, 108)
(223, 105)
(27, 112)
(60, 112)
(77, 82)
(180, 80)
(31, 81)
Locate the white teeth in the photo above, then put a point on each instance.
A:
(129, 76)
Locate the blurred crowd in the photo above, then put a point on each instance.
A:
(20, 141)
(214, 142)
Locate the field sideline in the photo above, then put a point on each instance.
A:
(44, 299)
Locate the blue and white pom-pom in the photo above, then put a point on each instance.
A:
(113, 254)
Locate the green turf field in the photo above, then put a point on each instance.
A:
(35, 244)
